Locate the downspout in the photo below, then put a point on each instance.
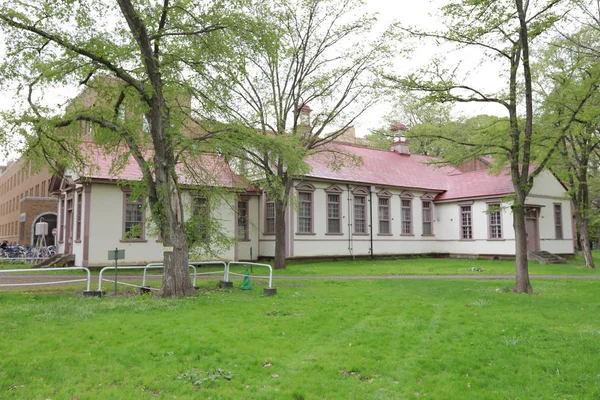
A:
(371, 219)
(350, 247)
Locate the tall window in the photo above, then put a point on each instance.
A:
(270, 217)
(242, 220)
(466, 222)
(305, 212)
(558, 221)
(61, 213)
(427, 217)
(79, 209)
(134, 217)
(406, 215)
(333, 213)
(201, 213)
(360, 214)
(495, 221)
(384, 215)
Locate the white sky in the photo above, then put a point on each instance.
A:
(416, 13)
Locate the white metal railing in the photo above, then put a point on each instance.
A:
(203, 263)
(144, 276)
(250, 264)
(45, 271)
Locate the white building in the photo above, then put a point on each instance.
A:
(392, 203)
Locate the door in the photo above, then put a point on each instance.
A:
(531, 227)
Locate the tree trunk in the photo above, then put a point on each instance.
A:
(522, 284)
(176, 276)
(584, 239)
(280, 236)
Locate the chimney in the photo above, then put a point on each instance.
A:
(304, 113)
(400, 144)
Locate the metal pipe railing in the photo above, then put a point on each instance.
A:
(46, 270)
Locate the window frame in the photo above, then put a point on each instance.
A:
(306, 189)
(245, 222)
(427, 199)
(142, 203)
(333, 191)
(268, 203)
(384, 195)
(360, 193)
(462, 213)
(79, 210)
(559, 233)
(491, 225)
(195, 211)
(406, 197)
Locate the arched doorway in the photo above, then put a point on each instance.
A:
(51, 219)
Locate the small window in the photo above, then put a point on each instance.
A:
(79, 211)
(305, 212)
(495, 221)
(384, 215)
(360, 214)
(201, 212)
(270, 217)
(427, 217)
(133, 227)
(242, 220)
(466, 222)
(333, 213)
(406, 216)
(558, 229)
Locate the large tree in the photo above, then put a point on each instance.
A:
(505, 31)
(134, 54)
(569, 84)
(319, 55)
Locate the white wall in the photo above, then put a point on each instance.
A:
(106, 229)
(546, 192)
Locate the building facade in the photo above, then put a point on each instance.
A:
(25, 200)
(389, 203)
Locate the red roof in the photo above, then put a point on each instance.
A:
(206, 169)
(415, 171)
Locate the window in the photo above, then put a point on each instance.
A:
(133, 228)
(61, 213)
(360, 214)
(201, 213)
(270, 217)
(558, 221)
(79, 209)
(334, 209)
(466, 222)
(305, 212)
(406, 214)
(305, 207)
(43, 194)
(384, 215)
(427, 217)
(242, 220)
(495, 221)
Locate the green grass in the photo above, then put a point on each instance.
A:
(431, 266)
(322, 339)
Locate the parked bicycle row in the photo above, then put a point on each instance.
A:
(12, 251)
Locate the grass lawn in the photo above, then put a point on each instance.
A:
(433, 266)
(322, 339)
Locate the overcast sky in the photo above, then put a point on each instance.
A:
(417, 13)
